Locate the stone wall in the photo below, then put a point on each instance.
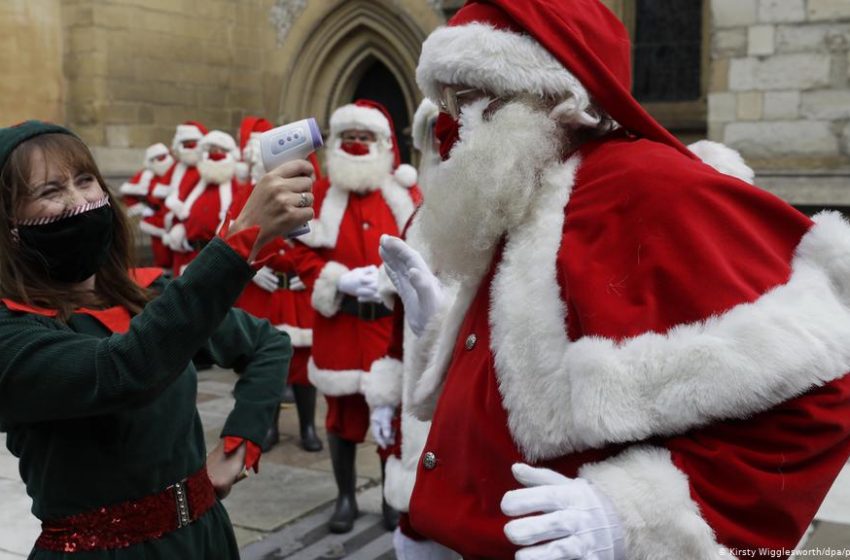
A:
(31, 59)
(779, 88)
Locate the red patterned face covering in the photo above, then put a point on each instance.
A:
(218, 156)
(447, 131)
(355, 148)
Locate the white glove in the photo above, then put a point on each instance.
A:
(266, 279)
(176, 239)
(382, 425)
(419, 290)
(296, 284)
(360, 282)
(409, 549)
(577, 519)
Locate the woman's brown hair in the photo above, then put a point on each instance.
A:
(19, 280)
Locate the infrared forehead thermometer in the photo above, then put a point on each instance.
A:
(290, 142)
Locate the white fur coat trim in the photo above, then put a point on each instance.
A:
(335, 383)
(324, 230)
(326, 297)
(398, 483)
(745, 361)
(172, 201)
(382, 385)
(140, 188)
(151, 229)
(724, 159)
(497, 61)
(161, 191)
(183, 208)
(300, 337)
(653, 501)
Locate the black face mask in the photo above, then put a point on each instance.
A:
(69, 247)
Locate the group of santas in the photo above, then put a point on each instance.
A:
(323, 290)
(182, 197)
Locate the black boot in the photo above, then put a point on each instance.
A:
(305, 404)
(288, 396)
(388, 513)
(343, 453)
(272, 435)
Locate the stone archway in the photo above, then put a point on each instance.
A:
(341, 48)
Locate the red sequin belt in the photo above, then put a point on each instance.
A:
(128, 523)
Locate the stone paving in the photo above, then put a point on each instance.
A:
(281, 512)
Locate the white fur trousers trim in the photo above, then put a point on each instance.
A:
(335, 382)
(653, 501)
(326, 298)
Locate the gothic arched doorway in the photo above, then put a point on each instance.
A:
(379, 84)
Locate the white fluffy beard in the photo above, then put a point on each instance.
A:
(161, 167)
(190, 157)
(217, 172)
(360, 174)
(487, 185)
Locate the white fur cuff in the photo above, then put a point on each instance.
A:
(299, 337)
(333, 382)
(326, 298)
(134, 189)
(382, 385)
(652, 498)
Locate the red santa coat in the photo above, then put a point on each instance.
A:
(675, 336)
(201, 212)
(286, 309)
(154, 225)
(345, 235)
(135, 190)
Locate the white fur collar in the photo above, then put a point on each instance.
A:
(324, 230)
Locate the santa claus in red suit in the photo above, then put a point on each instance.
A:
(183, 175)
(200, 211)
(367, 194)
(149, 187)
(647, 358)
(277, 294)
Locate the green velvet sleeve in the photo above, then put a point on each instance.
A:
(260, 354)
(49, 372)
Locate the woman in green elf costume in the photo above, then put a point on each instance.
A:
(97, 388)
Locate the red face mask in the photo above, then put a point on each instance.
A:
(218, 156)
(190, 144)
(355, 148)
(447, 131)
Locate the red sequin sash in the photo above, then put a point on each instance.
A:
(129, 523)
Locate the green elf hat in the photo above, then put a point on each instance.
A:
(13, 136)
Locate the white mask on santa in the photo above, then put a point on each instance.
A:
(487, 185)
(217, 168)
(351, 170)
(160, 167)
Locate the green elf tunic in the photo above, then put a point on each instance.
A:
(98, 416)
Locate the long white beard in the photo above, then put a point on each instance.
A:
(359, 174)
(487, 185)
(217, 172)
(190, 157)
(161, 167)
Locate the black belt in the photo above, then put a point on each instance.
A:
(365, 310)
(284, 280)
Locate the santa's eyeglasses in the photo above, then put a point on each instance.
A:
(452, 99)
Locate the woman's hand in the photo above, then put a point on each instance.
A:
(281, 201)
(224, 469)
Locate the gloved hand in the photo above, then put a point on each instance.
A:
(419, 290)
(175, 238)
(578, 520)
(382, 425)
(266, 279)
(409, 549)
(296, 284)
(360, 282)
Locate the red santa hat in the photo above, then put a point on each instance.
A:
(365, 114)
(189, 130)
(545, 47)
(252, 125)
(155, 150)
